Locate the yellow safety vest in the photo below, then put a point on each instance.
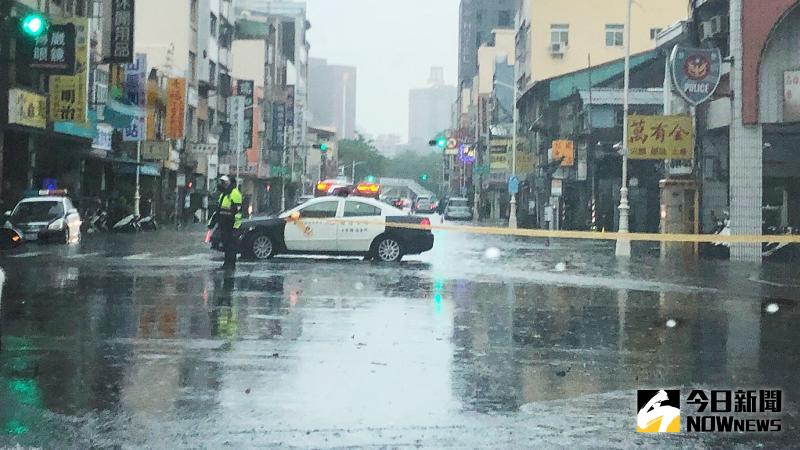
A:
(226, 203)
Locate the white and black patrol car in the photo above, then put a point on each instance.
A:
(47, 215)
(350, 226)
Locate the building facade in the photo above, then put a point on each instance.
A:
(332, 97)
(429, 109)
(477, 20)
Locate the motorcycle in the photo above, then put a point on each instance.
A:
(148, 223)
(128, 224)
(96, 222)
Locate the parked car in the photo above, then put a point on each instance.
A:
(458, 209)
(46, 216)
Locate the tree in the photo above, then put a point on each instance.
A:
(363, 151)
(414, 165)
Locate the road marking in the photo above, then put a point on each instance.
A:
(27, 255)
(138, 256)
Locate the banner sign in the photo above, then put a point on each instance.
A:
(466, 153)
(54, 51)
(245, 88)
(155, 150)
(236, 116)
(118, 25)
(136, 93)
(69, 93)
(102, 141)
(176, 107)
(278, 125)
(27, 108)
(564, 148)
(791, 96)
(660, 137)
(696, 72)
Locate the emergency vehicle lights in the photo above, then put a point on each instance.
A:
(47, 193)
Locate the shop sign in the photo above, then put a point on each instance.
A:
(136, 93)
(696, 72)
(660, 137)
(176, 107)
(791, 96)
(155, 150)
(202, 149)
(54, 51)
(118, 26)
(102, 141)
(27, 108)
(565, 149)
(69, 93)
(245, 88)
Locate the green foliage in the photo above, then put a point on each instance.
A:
(360, 149)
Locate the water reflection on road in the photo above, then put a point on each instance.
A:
(138, 351)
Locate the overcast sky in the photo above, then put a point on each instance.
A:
(393, 44)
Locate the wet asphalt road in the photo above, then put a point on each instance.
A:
(493, 342)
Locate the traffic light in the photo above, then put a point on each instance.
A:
(440, 142)
(424, 177)
(323, 147)
(33, 25)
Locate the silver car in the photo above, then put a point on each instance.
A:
(458, 209)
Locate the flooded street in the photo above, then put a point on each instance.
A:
(483, 341)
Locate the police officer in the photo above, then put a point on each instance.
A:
(228, 218)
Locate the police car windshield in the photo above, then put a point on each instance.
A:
(38, 211)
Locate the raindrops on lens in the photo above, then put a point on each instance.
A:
(671, 323)
(772, 308)
(492, 253)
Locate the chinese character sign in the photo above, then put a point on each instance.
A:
(118, 25)
(791, 96)
(565, 150)
(244, 89)
(54, 51)
(69, 93)
(136, 94)
(26, 108)
(660, 137)
(176, 107)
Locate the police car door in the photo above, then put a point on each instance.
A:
(355, 233)
(316, 228)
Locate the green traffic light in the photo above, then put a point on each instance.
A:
(424, 177)
(33, 25)
(323, 147)
(441, 143)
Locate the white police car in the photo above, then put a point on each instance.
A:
(48, 215)
(350, 226)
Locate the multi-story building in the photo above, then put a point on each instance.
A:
(429, 109)
(477, 20)
(332, 97)
(555, 37)
(272, 50)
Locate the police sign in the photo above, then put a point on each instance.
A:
(696, 72)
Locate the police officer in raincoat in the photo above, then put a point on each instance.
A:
(228, 218)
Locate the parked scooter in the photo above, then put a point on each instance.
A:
(128, 224)
(97, 222)
(148, 223)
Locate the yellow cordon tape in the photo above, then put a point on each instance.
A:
(591, 235)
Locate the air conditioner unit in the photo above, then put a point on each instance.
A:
(557, 48)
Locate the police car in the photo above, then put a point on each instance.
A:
(46, 215)
(350, 226)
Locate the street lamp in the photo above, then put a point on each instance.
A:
(355, 164)
(512, 216)
(624, 244)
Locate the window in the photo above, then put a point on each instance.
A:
(212, 72)
(192, 66)
(190, 123)
(559, 34)
(322, 210)
(201, 130)
(213, 23)
(654, 32)
(212, 115)
(504, 19)
(358, 209)
(193, 12)
(615, 35)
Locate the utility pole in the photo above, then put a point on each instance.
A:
(624, 244)
(137, 195)
(512, 216)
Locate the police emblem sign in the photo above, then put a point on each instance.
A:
(696, 72)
